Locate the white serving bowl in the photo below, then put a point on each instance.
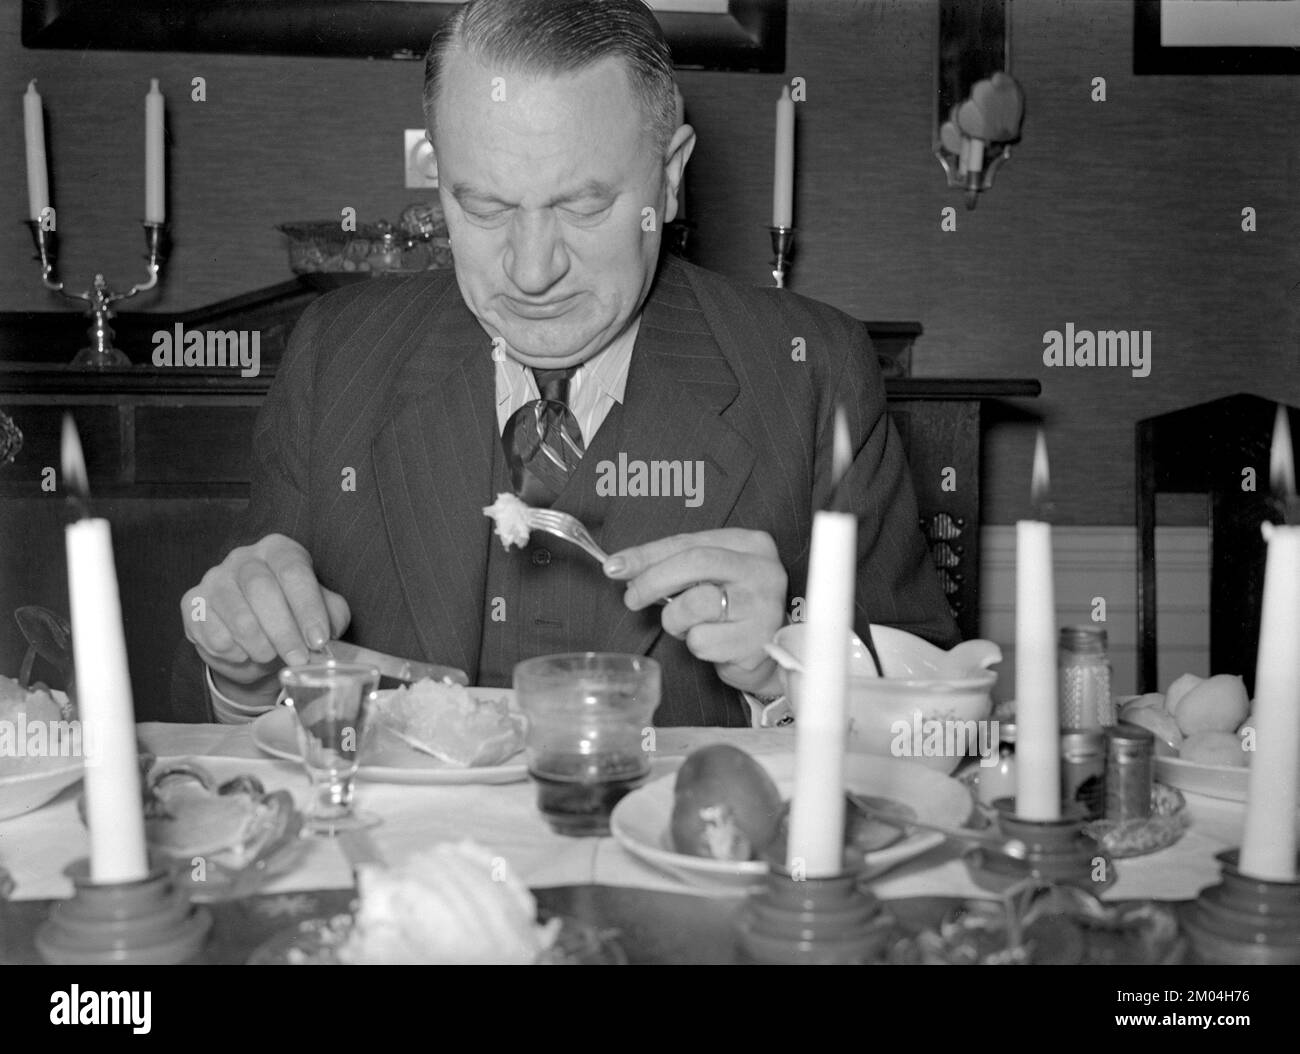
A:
(28, 791)
(922, 683)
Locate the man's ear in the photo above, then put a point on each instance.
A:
(680, 148)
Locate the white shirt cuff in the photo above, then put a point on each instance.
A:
(226, 710)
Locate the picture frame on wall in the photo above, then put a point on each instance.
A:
(1216, 37)
(746, 35)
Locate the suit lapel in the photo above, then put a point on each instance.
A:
(433, 465)
(679, 389)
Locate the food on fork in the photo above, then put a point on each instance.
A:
(444, 720)
(454, 904)
(510, 514)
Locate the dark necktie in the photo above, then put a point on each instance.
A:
(542, 441)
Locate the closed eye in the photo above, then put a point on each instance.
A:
(586, 214)
(486, 217)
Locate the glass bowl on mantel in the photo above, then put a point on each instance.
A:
(326, 256)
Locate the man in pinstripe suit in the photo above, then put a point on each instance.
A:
(559, 162)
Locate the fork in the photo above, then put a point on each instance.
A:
(570, 528)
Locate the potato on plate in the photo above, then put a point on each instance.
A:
(1174, 694)
(1219, 704)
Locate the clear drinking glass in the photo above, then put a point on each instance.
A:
(331, 700)
(588, 715)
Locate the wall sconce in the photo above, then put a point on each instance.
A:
(979, 106)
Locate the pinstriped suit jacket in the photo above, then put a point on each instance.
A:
(393, 379)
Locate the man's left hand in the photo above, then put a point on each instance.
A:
(728, 598)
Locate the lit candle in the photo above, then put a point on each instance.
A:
(783, 179)
(155, 205)
(38, 181)
(1038, 735)
(1268, 844)
(112, 772)
(816, 843)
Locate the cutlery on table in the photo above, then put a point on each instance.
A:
(1012, 847)
(392, 670)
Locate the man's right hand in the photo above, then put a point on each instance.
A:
(261, 607)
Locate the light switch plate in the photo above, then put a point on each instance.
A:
(421, 166)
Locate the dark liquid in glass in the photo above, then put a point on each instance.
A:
(577, 792)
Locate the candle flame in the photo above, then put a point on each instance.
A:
(1281, 458)
(841, 448)
(1040, 483)
(74, 464)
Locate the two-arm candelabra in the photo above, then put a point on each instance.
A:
(100, 352)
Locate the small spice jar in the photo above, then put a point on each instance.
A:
(1129, 753)
(999, 780)
(1083, 773)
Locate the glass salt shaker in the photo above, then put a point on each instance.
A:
(1085, 700)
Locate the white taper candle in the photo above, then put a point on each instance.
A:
(155, 198)
(815, 847)
(1038, 722)
(783, 176)
(38, 180)
(114, 814)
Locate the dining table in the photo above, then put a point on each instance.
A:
(657, 917)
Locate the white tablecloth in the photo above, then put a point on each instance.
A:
(36, 848)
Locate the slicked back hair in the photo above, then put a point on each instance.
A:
(562, 36)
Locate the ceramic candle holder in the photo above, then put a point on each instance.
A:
(1244, 920)
(1057, 852)
(783, 247)
(812, 921)
(147, 922)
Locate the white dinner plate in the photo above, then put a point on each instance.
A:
(386, 759)
(640, 822)
(1231, 782)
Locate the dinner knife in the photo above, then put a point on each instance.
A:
(393, 671)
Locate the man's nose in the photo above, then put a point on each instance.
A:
(536, 256)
